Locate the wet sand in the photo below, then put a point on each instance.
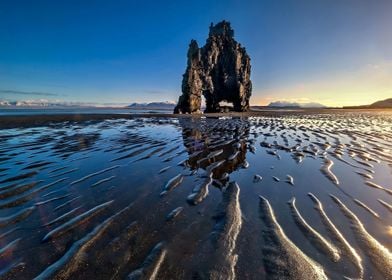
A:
(38, 120)
(260, 195)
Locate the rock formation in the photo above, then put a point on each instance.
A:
(220, 71)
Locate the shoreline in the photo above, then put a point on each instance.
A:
(16, 121)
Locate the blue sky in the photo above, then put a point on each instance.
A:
(334, 52)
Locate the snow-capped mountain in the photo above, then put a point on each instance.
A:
(40, 103)
(169, 105)
(288, 104)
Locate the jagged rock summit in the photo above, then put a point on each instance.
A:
(220, 71)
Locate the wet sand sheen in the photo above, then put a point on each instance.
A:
(347, 247)
(288, 261)
(59, 186)
(75, 222)
(315, 236)
(380, 255)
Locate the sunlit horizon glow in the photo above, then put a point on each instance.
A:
(337, 53)
(367, 85)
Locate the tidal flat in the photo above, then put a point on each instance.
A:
(265, 196)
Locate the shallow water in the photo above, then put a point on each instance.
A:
(203, 198)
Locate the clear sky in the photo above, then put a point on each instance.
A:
(336, 52)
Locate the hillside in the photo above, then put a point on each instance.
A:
(382, 104)
(387, 103)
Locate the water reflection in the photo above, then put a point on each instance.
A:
(214, 146)
(116, 198)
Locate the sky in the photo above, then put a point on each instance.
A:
(335, 52)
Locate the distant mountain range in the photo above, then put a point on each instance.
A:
(50, 104)
(169, 105)
(287, 104)
(44, 103)
(166, 105)
(37, 103)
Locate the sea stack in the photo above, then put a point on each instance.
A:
(220, 71)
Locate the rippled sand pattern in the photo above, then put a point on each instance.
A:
(291, 196)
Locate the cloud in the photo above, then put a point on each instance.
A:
(9, 91)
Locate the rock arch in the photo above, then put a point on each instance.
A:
(220, 71)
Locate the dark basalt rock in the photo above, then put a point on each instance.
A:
(220, 71)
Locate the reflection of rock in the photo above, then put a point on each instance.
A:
(220, 71)
(215, 146)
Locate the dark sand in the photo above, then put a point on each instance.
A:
(166, 196)
(39, 120)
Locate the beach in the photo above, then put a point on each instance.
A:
(240, 195)
(37, 119)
